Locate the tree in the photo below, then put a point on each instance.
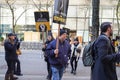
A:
(12, 7)
(38, 4)
(118, 15)
(95, 19)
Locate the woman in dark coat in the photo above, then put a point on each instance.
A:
(104, 67)
(49, 39)
(10, 56)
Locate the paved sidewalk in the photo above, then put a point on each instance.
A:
(34, 67)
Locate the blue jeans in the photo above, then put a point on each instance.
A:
(57, 73)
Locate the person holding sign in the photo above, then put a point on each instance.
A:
(59, 62)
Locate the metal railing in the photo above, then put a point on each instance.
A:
(31, 45)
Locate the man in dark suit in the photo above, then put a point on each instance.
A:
(105, 58)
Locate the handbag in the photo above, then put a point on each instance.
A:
(18, 52)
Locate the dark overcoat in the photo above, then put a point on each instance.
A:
(104, 67)
(10, 50)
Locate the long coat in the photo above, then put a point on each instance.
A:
(10, 50)
(104, 67)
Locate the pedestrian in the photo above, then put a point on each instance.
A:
(59, 57)
(49, 39)
(75, 54)
(10, 56)
(105, 58)
(17, 65)
(118, 47)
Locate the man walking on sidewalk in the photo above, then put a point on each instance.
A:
(59, 62)
(105, 58)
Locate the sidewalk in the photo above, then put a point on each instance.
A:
(34, 67)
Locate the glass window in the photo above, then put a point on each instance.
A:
(107, 20)
(72, 11)
(84, 34)
(30, 12)
(19, 11)
(82, 24)
(107, 13)
(30, 20)
(115, 26)
(82, 11)
(71, 23)
(6, 20)
(5, 12)
(21, 20)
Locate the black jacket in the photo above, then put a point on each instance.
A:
(105, 59)
(10, 50)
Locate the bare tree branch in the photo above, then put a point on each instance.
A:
(35, 4)
(11, 6)
(22, 13)
(39, 7)
(12, 11)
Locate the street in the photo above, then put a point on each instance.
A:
(34, 67)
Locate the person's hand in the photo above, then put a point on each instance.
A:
(44, 46)
(56, 51)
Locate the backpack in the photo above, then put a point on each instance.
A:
(87, 57)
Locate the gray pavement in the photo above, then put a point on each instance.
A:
(34, 67)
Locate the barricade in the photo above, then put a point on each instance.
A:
(31, 45)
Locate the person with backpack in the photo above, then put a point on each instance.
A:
(75, 54)
(105, 58)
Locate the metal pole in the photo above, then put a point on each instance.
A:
(43, 36)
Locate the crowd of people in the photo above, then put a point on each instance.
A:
(57, 59)
(57, 53)
(104, 67)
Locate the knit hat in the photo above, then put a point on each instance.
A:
(10, 34)
(62, 31)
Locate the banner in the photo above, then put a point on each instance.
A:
(60, 11)
(42, 21)
(42, 26)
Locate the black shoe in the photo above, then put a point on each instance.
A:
(15, 78)
(74, 72)
(48, 77)
(71, 71)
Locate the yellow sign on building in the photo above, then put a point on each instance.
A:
(38, 26)
(42, 21)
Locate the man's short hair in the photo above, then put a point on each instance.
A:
(104, 26)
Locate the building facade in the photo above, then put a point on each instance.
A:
(79, 17)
